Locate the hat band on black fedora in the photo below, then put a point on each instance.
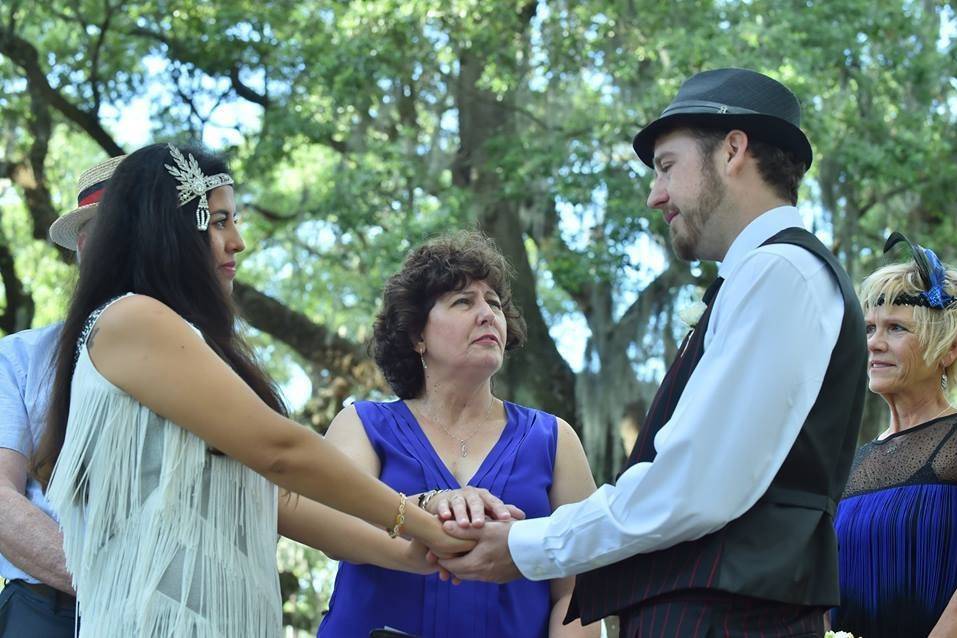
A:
(732, 99)
(680, 107)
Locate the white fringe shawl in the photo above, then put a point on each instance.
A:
(193, 556)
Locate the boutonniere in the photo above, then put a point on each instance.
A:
(691, 314)
(838, 634)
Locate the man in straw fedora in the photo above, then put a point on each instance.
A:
(38, 597)
(722, 522)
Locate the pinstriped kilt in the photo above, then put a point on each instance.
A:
(715, 614)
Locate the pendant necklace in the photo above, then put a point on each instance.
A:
(464, 443)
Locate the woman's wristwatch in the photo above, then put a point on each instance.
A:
(425, 497)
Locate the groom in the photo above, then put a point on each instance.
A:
(723, 519)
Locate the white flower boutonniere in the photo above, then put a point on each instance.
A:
(691, 314)
(838, 634)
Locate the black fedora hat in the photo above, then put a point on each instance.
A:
(734, 99)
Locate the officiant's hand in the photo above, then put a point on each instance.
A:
(471, 506)
(489, 560)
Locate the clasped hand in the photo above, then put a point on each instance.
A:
(471, 506)
(464, 513)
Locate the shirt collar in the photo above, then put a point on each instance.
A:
(762, 228)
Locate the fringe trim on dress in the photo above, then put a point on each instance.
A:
(189, 550)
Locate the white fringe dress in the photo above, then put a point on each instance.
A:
(162, 537)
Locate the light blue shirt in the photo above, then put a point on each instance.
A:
(26, 379)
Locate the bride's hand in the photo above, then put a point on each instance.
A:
(416, 559)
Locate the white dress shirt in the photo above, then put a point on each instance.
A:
(773, 327)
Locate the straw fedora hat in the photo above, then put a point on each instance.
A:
(733, 99)
(90, 186)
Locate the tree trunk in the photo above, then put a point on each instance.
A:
(536, 375)
(343, 359)
(614, 400)
(18, 311)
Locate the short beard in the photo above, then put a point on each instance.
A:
(687, 245)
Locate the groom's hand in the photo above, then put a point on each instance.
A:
(489, 560)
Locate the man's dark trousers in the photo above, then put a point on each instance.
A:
(31, 612)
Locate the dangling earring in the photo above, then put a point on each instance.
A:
(422, 358)
(943, 382)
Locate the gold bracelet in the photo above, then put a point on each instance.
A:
(399, 517)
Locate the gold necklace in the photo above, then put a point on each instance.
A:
(463, 443)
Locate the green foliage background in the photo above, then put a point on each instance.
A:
(357, 129)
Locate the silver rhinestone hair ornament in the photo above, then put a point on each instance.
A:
(193, 184)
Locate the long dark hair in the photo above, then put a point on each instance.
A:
(144, 243)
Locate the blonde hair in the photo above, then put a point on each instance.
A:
(936, 329)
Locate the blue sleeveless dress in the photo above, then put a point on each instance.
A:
(897, 532)
(518, 470)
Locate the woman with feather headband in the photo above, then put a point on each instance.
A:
(897, 520)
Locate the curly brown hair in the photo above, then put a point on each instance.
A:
(444, 264)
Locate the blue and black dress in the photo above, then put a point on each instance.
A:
(897, 533)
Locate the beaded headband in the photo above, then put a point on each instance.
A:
(193, 184)
(932, 275)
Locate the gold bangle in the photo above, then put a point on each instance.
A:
(399, 517)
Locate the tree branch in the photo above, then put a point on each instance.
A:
(179, 51)
(244, 91)
(25, 55)
(95, 58)
(676, 274)
(273, 215)
(29, 174)
(313, 342)
(883, 197)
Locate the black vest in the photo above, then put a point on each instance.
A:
(784, 548)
